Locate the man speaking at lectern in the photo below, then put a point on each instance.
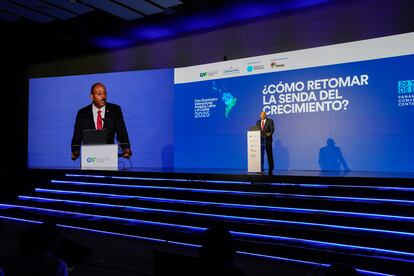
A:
(101, 115)
(266, 131)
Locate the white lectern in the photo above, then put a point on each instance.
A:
(99, 157)
(253, 151)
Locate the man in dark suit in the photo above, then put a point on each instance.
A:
(101, 115)
(267, 128)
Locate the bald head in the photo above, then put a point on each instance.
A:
(96, 85)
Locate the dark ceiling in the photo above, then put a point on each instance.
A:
(41, 30)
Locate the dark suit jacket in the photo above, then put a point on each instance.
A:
(113, 122)
(269, 127)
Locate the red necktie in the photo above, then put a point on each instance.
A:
(99, 121)
(262, 124)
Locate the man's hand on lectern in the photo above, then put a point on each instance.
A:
(75, 155)
(127, 153)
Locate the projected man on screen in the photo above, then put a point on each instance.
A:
(267, 128)
(101, 115)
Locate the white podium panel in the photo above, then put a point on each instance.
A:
(253, 151)
(99, 157)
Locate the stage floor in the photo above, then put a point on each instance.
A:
(244, 173)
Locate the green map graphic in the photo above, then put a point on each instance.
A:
(228, 99)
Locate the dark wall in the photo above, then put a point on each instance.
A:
(13, 123)
(331, 23)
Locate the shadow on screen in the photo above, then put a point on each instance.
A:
(331, 159)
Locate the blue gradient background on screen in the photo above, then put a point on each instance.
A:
(146, 99)
(374, 134)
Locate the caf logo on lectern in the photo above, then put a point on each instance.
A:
(91, 159)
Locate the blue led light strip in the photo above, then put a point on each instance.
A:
(231, 205)
(154, 179)
(129, 220)
(302, 185)
(366, 272)
(150, 187)
(218, 191)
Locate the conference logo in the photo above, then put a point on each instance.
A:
(208, 74)
(91, 159)
(231, 71)
(251, 68)
(276, 65)
(405, 93)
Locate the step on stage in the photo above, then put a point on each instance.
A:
(307, 217)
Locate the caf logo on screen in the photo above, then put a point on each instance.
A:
(208, 74)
